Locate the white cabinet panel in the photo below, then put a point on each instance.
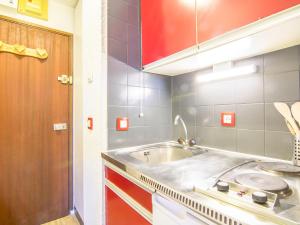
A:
(169, 212)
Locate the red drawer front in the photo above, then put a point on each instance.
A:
(119, 212)
(143, 197)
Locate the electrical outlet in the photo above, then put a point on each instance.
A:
(228, 119)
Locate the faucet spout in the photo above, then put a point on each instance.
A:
(179, 118)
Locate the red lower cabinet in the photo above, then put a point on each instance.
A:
(118, 212)
(141, 196)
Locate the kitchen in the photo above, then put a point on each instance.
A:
(184, 112)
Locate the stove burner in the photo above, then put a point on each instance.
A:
(264, 182)
(279, 167)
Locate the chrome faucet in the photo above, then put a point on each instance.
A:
(177, 118)
(186, 141)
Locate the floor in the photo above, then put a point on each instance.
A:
(68, 220)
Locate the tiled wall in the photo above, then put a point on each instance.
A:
(259, 127)
(129, 90)
(259, 130)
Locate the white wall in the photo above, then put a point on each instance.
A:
(61, 16)
(91, 97)
(78, 119)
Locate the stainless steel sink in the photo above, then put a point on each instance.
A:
(164, 153)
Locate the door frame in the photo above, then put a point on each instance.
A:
(70, 150)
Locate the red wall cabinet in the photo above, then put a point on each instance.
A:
(216, 17)
(118, 212)
(168, 26)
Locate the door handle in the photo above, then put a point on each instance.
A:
(65, 79)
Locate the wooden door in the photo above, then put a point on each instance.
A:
(34, 159)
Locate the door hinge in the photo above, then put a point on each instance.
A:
(65, 79)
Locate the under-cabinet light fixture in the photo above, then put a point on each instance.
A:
(226, 74)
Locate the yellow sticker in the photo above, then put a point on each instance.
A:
(34, 8)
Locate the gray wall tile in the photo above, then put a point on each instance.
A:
(151, 134)
(117, 71)
(134, 49)
(250, 116)
(183, 84)
(245, 86)
(279, 145)
(192, 132)
(151, 97)
(179, 132)
(244, 92)
(218, 109)
(251, 141)
(282, 61)
(225, 138)
(176, 101)
(165, 133)
(151, 116)
(151, 81)
(221, 92)
(199, 104)
(117, 94)
(136, 136)
(206, 136)
(260, 129)
(118, 9)
(189, 115)
(134, 54)
(165, 83)
(134, 119)
(117, 139)
(133, 14)
(117, 49)
(133, 2)
(117, 29)
(165, 98)
(205, 94)
(134, 76)
(114, 112)
(205, 116)
(282, 86)
(187, 100)
(273, 119)
(164, 116)
(130, 89)
(134, 95)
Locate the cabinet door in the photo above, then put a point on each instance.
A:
(143, 197)
(168, 26)
(118, 212)
(216, 17)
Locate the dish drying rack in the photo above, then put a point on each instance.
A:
(296, 154)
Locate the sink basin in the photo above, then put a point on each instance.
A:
(164, 153)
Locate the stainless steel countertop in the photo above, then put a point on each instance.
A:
(184, 175)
